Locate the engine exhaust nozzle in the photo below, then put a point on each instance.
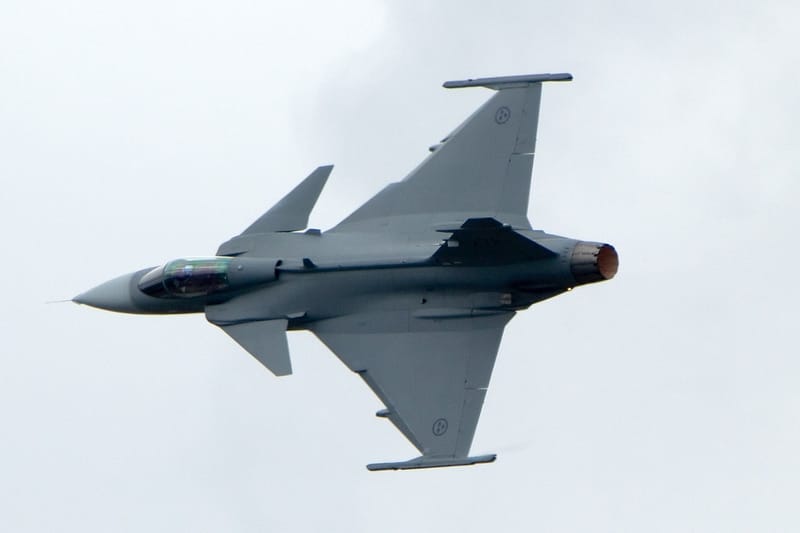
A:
(593, 261)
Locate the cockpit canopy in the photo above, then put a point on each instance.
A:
(187, 278)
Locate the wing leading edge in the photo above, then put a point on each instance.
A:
(432, 375)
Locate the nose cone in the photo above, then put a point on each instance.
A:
(114, 295)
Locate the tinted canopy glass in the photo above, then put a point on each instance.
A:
(187, 278)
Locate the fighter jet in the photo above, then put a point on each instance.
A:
(411, 291)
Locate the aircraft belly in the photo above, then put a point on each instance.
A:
(430, 292)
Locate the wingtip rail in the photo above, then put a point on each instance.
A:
(503, 82)
(431, 462)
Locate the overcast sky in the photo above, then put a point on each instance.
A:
(667, 400)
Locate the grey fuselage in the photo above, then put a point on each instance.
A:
(311, 276)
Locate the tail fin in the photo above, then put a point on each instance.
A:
(481, 170)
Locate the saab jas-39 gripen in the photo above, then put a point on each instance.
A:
(411, 291)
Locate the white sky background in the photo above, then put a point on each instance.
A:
(665, 400)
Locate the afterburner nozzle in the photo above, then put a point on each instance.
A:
(593, 261)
